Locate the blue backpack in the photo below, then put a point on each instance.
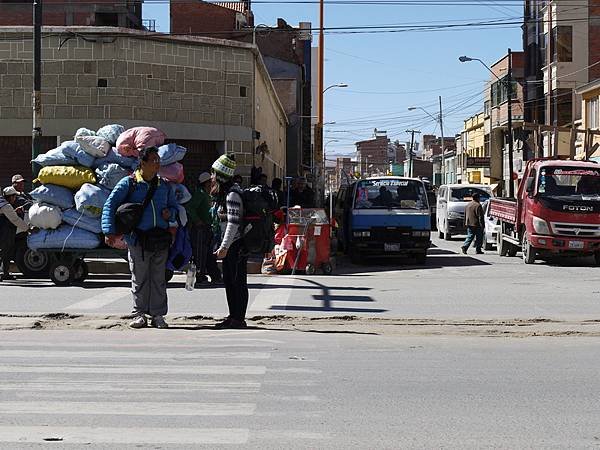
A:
(180, 252)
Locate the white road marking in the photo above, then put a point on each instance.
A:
(129, 408)
(39, 354)
(101, 300)
(138, 370)
(277, 291)
(94, 435)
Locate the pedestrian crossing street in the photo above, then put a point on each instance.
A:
(173, 388)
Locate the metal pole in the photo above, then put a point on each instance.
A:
(511, 184)
(320, 89)
(443, 155)
(412, 144)
(36, 135)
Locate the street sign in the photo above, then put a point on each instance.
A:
(478, 161)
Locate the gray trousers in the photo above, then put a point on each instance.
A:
(148, 283)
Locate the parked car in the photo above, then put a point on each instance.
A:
(451, 203)
(492, 228)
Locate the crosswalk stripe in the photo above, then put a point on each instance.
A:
(141, 370)
(55, 354)
(100, 300)
(44, 385)
(94, 435)
(128, 408)
(198, 343)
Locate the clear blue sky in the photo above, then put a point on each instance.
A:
(388, 72)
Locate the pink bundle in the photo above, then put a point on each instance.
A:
(173, 173)
(133, 140)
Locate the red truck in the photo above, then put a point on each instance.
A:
(556, 212)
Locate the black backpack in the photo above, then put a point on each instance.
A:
(259, 203)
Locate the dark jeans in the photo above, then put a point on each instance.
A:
(235, 277)
(474, 233)
(202, 246)
(7, 247)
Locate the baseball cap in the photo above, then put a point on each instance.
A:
(9, 191)
(17, 178)
(204, 177)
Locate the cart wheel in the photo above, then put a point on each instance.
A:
(168, 275)
(61, 273)
(81, 271)
(310, 269)
(31, 263)
(327, 268)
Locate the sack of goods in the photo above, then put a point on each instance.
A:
(133, 140)
(65, 236)
(181, 193)
(112, 157)
(110, 174)
(173, 173)
(69, 153)
(54, 195)
(45, 216)
(111, 133)
(80, 220)
(72, 177)
(94, 145)
(171, 153)
(90, 200)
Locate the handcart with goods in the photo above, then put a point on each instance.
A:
(306, 244)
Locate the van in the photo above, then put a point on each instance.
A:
(384, 217)
(452, 200)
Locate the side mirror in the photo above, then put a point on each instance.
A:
(530, 185)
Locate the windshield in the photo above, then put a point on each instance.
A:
(465, 194)
(389, 193)
(572, 182)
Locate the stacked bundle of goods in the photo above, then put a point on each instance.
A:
(77, 178)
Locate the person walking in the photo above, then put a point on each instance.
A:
(201, 234)
(149, 243)
(474, 221)
(231, 249)
(10, 225)
(24, 200)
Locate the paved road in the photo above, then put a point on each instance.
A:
(450, 286)
(262, 389)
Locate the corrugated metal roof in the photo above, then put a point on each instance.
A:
(236, 6)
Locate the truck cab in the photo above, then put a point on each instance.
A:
(384, 217)
(557, 210)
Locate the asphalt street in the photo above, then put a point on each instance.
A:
(450, 286)
(270, 389)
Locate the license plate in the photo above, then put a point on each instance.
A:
(391, 247)
(575, 244)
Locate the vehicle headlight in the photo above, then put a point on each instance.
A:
(362, 234)
(541, 226)
(421, 234)
(454, 215)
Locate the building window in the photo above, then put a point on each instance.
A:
(107, 19)
(500, 92)
(561, 107)
(592, 116)
(562, 44)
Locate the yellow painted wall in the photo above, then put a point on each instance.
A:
(475, 147)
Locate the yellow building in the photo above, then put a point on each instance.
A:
(590, 112)
(475, 162)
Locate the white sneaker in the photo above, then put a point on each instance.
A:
(159, 322)
(138, 322)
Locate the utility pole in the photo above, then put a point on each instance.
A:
(511, 183)
(412, 146)
(443, 151)
(318, 150)
(36, 136)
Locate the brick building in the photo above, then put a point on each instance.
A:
(372, 155)
(124, 13)
(224, 20)
(209, 95)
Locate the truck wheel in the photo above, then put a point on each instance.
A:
(501, 246)
(327, 268)
(81, 271)
(447, 235)
(61, 273)
(355, 256)
(529, 253)
(310, 269)
(421, 258)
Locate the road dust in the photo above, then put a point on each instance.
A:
(516, 328)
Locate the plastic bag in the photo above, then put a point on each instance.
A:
(84, 132)
(112, 157)
(111, 133)
(90, 200)
(65, 236)
(181, 193)
(172, 173)
(75, 218)
(94, 145)
(67, 176)
(134, 139)
(171, 153)
(110, 174)
(55, 157)
(74, 150)
(44, 216)
(54, 195)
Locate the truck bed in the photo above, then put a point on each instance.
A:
(504, 209)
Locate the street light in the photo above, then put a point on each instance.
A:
(338, 85)
(438, 119)
(507, 83)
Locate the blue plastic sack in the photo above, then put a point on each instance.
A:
(171, 153)
(111, 133)
(84, 132)
(55, 157)
(79, 220)
(110, 174)
(180, 252)
(90, 199)
(64, 237)
(182, 195)
(74, 150)
(113, 157)
(54, 195)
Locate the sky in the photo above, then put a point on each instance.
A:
(387, 73)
